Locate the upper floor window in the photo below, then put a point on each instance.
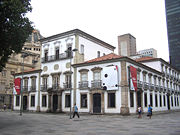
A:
(68, 80)
(98, 54)
(44, 81)
(26, 82)
(144, 77)
(33, 81)
(82, 49)
(69, 50)
(55, 80)
(150, 79)
(57, 53)
(138, 76)
(97, 76)
(46, 55)
(154, 80)
(3, 73)
(84, 77)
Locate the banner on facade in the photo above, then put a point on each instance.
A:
(133, 78)
(17, 85)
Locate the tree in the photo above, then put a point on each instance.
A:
(15, 27)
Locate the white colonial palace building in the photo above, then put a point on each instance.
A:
(79, 64)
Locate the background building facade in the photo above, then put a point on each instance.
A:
(126, 45)
(32, 47)
(173, 29)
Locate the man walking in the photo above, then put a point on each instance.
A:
(75, 111)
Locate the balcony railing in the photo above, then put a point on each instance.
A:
(44, 87)
(151, 86)
(33, 88)
(161, 88)
(67, 85)
(139, 84)
(56, 57)
(83, 84)
(146, 86)
(96, 84)
(55, 87)
(156, 87)
(25, 89)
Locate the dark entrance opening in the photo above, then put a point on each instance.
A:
(24, 102)
(139, 99)
(168, 102)
(96, 103)
(55, 103)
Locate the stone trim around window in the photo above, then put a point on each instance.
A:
(83, 70)
(96, 68)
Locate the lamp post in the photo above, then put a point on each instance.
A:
(21, 92)
(71, 52)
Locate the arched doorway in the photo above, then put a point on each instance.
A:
(96, 103)
(24, 102)
(55, 103)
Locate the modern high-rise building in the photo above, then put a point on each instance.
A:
(173, 29)
(126, 45)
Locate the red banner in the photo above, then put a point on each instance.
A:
(17, 85)
(133, 74)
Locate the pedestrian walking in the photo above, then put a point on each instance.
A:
(149, 114)
(139, 112)
(4, 107)
(75, 111)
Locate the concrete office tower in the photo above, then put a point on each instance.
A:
(126, 45)
(173, 29)
(148, 52)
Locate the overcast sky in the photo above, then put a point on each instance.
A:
(105, 19)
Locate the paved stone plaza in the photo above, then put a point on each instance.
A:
(60, 124)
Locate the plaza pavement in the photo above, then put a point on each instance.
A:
(11, 123)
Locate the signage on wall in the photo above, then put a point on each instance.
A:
(133, 78)
(110, 78)
(17, 85)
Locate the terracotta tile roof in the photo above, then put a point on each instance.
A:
(27, 71)
(144, 59)
(106, 57)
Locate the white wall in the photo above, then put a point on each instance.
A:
(90, 78)
(91, 48)
(31, 93)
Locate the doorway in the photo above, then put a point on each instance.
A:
(168, 102)
(55, 103)
(24, 102)
(139, 99)
(96, 103)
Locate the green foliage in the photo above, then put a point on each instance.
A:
(15, 27)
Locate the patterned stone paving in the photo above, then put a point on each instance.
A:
(60, 124)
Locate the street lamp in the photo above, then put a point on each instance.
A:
(21, 92)
(71, 52)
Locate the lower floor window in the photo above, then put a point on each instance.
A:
(164, 99)
(156, 101)
(83, 100)
(17, 100)
(171, 101)
(44, 101)
(151, 99)
(145, 99)
(32, 101)
(111, 99)
(131, 99)
(67, 100)
(160, 100)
